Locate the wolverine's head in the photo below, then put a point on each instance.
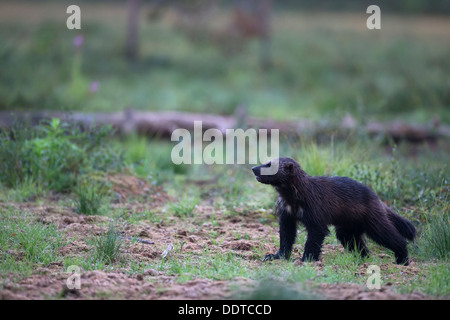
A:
(277, 171)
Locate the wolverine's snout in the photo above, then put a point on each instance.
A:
(256, 171)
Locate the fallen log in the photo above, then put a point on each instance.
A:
(162, 124)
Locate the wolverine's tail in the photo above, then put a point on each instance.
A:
(405, 227)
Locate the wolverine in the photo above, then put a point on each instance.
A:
(351, 207)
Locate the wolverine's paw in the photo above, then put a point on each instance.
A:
(270, 257)
(402, 261)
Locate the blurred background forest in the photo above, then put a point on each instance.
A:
(280, 59)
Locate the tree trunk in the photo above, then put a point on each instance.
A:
(132, 40)
(162, 124)
(264, 13)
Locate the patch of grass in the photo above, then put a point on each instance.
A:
(342, 267)
(12, 264)
(12, 153)
(232, 189)
(70, 260)
(235, 187)
(184, 207)
(434, 242)
(137, 267)
(90, 198)
(210, 265)
(151, 159)
(197, 77)
(53, 156)
(107, 246)
(432, 279)
(328, 158)
(436, 281)
(27, 190)
(270, 289)
(145, 215)
(23, 244)
(285, 271)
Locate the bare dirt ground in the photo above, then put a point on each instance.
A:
(220, 236)
(154, 285)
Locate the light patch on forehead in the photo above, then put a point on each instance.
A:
(289, 209)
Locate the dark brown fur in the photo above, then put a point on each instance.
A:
(317, 202)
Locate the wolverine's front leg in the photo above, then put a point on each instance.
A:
(288, 232)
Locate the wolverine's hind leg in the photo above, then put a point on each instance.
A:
(351, 239)
(388, 236)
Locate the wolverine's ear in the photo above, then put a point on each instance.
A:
(289, 166)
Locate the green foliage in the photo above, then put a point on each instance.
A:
(37, 242)
(54, 158)
(12, 154)
(151, 159)
(271, 289)
(90, 197)
(383, 179)
(432, 279)
(233, 186)
(434, 242)
(27, 190)
(319, 160)
(54, 155)
(437, 280)
(184, 207)
(396, 76)
(217, 266)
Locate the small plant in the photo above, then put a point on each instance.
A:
(107, 246)
(90, 198)
(35, 243)
(40, 242)
(54, 154)
(149, 159)
(435, 240)
(27, 190)
(54, 157)
(184, 207)
(272, 289)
